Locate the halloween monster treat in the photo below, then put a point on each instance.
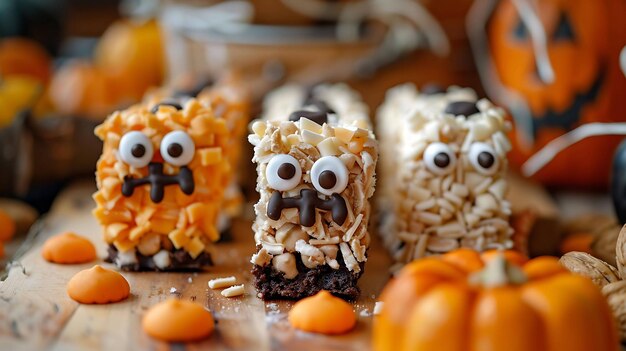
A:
(161, 180)
(316, 166)
(229, 99)
(442, 183)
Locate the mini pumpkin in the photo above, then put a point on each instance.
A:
(465, 301)
(132, 52)
(24, 57)
(80, 88)
(583, 41)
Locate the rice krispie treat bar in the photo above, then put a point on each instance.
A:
(161, 180)
(316, 172)
(442, 181)
(228, 99)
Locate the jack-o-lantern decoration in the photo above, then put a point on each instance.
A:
(498, 301)
(556, 68)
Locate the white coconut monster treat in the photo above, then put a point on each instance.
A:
(442, 178)
(316, 161)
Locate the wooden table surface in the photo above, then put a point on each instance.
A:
(37, 314)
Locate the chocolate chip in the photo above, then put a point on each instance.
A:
(286, 171)
(318, 117)
(196, 89)
(327, 179)
(442, 160)
(461, 108)
(138, 150)
(432, 89)
(172, 103)
(174, 149)
(486, 159)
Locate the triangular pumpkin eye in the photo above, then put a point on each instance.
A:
(520, 32)
(564, 30)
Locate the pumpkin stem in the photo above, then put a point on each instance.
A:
(499, 272)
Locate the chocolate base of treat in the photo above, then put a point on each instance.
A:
(180, 261)
(272, 284)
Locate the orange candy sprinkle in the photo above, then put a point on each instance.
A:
(176, 320)
(322, 313)
(98, 285)
(7, 226)
(68, 248)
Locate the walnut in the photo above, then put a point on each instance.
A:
(615, 294)
(600, 272)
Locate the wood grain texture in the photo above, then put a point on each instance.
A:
(37, 314)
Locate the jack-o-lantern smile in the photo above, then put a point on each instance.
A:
(568, 118)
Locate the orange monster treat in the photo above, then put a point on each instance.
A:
(229, 99)
(7, 226)
(161, 181)
(68, 248)
(174, 320)
(322, 313)
(1, 249)
(98, 285)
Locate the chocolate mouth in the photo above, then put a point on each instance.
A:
(158, 181)
(307, 203)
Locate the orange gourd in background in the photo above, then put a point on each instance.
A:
(80, 88)
(133, 54)
(584, 39)
(464, 301)
(24, 57)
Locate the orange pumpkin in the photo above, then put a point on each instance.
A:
(132, 52)
(24, 57)
(464, 301)
(80, 88)
(584, 39)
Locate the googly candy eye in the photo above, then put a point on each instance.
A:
(329, 175)
(439, 158)
(483, 158)
(283, 172)
(136, 149)
(177, 148)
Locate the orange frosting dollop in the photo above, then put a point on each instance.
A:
(98, 285)
(322, 313)
(7, 226)
(176, 320)
(68, 248)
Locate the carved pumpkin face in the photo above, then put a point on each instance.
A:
(582, 48)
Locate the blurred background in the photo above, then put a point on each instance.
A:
(66, 64)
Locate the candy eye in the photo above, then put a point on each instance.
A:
(329, 175)
(136, 149)
(283, 172)
(439, 158)
(483, 158)
(177, 148)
